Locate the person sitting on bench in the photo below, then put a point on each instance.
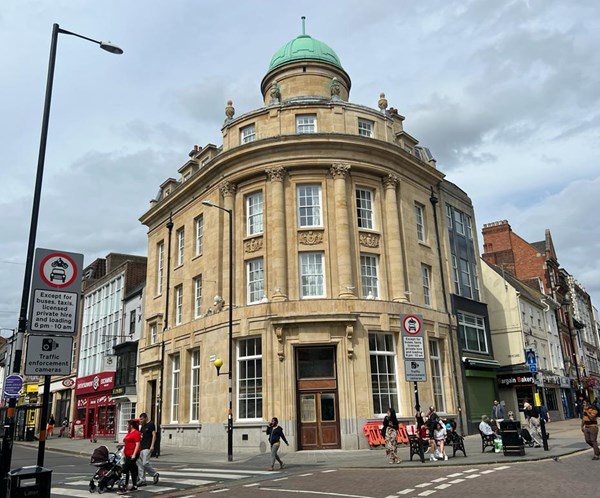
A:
(486, 428)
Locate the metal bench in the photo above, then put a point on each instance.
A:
(487, 440)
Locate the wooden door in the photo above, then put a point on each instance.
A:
(318, 419)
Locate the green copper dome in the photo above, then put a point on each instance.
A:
(304, 47)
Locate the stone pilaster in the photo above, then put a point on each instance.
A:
(277, 228)
(228, 191)
(392, 214)
(339, 171)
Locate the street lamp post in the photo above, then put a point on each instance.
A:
(7, 444)
(230, 342)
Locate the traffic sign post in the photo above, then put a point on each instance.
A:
(531, 360)
(413, 350)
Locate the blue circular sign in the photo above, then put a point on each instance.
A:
(13, 385)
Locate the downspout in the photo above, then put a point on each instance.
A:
(434, 201)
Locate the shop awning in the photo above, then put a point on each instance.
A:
(480, 362)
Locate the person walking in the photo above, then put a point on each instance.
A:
(148, 432)
(532, 415)
(275, 434)
(51, 423)
(498, 412)
(63, 427)
(390, 432)
(131, 450)
(589, 427)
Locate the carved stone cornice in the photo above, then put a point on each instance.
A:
(390, 181)
(339, 170)
(369, 239)
(310, 238)
(227, 189)
(276, 174)
(253, 245)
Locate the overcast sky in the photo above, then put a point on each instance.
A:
(504, 93)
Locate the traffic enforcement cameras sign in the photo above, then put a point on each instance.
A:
(48, 355)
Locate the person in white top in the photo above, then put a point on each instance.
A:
(437, 441)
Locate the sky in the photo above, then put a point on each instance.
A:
(506, 95)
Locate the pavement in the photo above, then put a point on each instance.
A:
(565, 438)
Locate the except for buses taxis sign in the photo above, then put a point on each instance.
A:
(413, 347)
(55, 289)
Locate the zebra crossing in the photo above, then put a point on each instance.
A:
(172, 479)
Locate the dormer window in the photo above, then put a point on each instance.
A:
(248, 134)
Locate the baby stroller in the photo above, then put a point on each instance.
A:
(527, 439)
(110, 468)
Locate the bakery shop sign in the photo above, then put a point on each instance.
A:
(515, 380)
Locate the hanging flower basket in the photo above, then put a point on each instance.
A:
(590, 382)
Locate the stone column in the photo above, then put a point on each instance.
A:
(277, 228)
(228, 192)
(346, 283)
(394, 244)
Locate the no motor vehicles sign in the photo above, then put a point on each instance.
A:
(55, 289)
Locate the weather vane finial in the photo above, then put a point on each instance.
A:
(303, 25)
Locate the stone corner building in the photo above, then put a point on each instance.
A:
(334, 237)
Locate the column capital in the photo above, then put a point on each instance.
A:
(227, 189)
(339, 170)
(391, 181)
(276, 174)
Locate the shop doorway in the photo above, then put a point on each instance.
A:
(317, 398)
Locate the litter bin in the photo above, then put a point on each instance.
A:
(512, 442)
(31, 481)
(29, 433)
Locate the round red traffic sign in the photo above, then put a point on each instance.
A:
(411, 324)
(58, 270)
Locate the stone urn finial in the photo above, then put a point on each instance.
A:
(229, 110)
(382, 103)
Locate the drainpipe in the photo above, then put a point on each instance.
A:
(459, 422)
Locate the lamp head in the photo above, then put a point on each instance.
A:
(208, 203)
(218, 363)
(111, 47)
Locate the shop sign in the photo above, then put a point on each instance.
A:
(565, 382)
(118, 391)
(516, 380)
(68, 382)
(103, 381)
(32, 388)
(551, 379)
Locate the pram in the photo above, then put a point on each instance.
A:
(110, 468)
(527, 439)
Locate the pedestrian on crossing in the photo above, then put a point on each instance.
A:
(131, 449)
(275, 434)
(148, 430)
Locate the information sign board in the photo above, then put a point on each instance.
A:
(55, 289)
(48, 355)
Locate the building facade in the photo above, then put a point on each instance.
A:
(106, 282)
(536, 264)
(333, 238)
(522, 320)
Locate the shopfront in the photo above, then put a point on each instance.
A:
(95, 416)
(515, 388)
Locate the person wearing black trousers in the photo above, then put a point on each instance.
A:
(275, 434)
